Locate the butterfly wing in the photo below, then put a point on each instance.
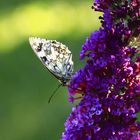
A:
(55, 56)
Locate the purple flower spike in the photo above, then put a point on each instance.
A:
(109, 84)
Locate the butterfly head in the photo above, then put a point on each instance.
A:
(64, 82)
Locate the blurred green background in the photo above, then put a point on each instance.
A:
(25, 85)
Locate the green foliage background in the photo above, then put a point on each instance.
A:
(25, 85)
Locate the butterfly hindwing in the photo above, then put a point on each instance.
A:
(55, 56)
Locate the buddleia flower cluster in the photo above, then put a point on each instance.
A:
(109, 83)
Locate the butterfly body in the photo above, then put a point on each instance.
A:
(56, 57)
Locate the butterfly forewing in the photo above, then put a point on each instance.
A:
(55, 56)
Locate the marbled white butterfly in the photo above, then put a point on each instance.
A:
(55, 56)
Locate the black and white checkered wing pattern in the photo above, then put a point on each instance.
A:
(55, 56)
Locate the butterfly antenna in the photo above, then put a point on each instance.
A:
(54, 93)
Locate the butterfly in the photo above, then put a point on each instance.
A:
(56, 57)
